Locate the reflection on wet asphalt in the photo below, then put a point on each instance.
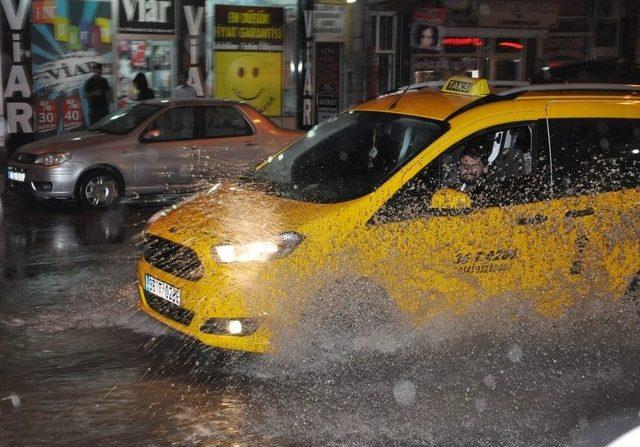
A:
(79, 365)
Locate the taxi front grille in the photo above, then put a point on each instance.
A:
(169, 310)
(172, 258)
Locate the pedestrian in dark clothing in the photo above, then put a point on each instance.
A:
(144, 92)
(97, 90)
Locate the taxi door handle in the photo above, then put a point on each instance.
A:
(249, 143)
(580, 213)
(532, 220)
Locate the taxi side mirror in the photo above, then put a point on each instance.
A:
(153, 134)
(450, 201)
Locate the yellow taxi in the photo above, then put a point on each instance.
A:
(440, 197)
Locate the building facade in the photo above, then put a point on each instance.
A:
(297, 61)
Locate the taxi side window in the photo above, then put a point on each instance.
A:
(511, 163)
(594, 155)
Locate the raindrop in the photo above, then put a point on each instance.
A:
(515, 353)
(404, 392)
(15, 401)
(481, 404)
(490, 382)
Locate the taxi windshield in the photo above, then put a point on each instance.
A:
(347, 157)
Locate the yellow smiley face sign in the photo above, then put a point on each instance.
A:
(251, 77)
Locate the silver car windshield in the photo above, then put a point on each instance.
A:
(347, 157)
(124, 120)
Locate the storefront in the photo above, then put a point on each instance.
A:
(145, 43)
(491, 39)
(50, 46)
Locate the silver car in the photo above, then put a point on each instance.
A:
(149, 147)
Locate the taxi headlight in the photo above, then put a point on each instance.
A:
(258, 251)
(52, 158)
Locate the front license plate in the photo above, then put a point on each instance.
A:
(162, 289)
(17, 176)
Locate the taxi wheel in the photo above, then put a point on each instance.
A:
(98, 189)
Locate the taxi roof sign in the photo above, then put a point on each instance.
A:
(463, 85)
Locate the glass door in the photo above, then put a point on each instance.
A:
(152, 57)
(507, 60)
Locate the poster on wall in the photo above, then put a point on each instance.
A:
(328, 23)
(67, 38)
(16, 101)
(426, 28)
(327, 80)
(248, 58)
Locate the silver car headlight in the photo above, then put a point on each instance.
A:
(258, 251)
(52, 158)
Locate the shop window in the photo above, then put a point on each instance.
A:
(384, 31)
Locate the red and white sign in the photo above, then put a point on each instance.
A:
(433, 15)
(46, 115)
(44, 11)
(72, 113)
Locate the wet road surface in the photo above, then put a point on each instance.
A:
(80, 365)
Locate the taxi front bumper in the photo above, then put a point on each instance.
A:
(198, 317)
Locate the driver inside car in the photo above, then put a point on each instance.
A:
(473, 170)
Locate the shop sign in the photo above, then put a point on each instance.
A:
(64, 50)
(193, 55)
(46, 115)
(146, 17)
(518, 13)
(72, 113)
(308, 89)
(328, 23)
(16, 103)
(327, 80)
(248, 56)
(434, 15)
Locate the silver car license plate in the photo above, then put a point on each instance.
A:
(162, 289)
(17, 176)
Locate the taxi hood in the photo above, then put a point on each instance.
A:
(237, 214)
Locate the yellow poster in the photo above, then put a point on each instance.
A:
(253, 77)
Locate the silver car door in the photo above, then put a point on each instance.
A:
(168, 155)
(230, 145)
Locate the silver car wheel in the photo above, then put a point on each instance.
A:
(101, 191)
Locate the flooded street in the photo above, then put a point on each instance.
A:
(80, 365)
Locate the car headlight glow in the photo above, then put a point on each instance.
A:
(258, 251)
(52, 158)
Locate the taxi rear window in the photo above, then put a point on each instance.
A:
(349, 156)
